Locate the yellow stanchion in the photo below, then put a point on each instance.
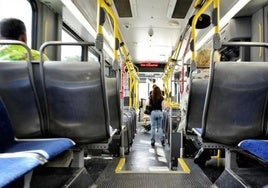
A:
(102, 7)
(196, 17)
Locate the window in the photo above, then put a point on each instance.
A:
(20, 9)
(70, 53)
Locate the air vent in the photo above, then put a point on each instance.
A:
(123, 8)
(181, 8)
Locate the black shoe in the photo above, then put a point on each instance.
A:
(152, 144)
(163, 143)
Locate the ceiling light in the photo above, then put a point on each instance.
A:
(133, 6)
(171, 7)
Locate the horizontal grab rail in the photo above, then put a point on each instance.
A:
(60, 43)
(250, 44)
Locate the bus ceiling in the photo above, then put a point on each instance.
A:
(151, 29)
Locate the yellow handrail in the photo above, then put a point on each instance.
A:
(169, 68)
(105, 5)
(194, 22)
(107, 8)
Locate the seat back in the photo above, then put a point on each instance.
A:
(76, 101)
(166, 121)
(7, 135)
(127, 123)
(18, 93)
(133, 121)
(76, 104)
(236, 102)
(197, 95)
(114, 102)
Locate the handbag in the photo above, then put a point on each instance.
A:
(148, 109)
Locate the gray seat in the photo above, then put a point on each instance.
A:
(76, 101)
(114, 102)
(236, 103)
(76, 104)
(18, 93)
(197, 95)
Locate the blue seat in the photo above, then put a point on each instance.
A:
(259, 148)
(16, 165)
(48, 148)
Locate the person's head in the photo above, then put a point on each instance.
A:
(203, 58)
(13, 29)
(157, 93)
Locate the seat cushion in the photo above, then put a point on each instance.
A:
(14, 167)
(257, 147)
(48, 148)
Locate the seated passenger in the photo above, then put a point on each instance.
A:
(202, 72)
(14, 29)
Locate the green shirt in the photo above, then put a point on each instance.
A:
(18, 53)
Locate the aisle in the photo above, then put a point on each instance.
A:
(145, 158)
(145, 166)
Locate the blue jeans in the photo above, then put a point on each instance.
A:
(156, 122)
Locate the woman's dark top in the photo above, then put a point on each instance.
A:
(157, 105)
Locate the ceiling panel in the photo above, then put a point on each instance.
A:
(123, 8)
(181, 8)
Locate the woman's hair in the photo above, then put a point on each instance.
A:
(203, 57)
(157, 94)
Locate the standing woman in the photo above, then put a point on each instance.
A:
(157, 104)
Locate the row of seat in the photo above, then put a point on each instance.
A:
(44, 100)
(234, 104)
(61, 99)
(170, 115)
(18, 157)
(230, 109)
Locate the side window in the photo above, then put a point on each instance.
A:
(70, 53)
(20, 9)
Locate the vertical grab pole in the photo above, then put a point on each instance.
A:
(123, 127)
(193, 33)
(215, 21)
(102, 5)
(100, 23)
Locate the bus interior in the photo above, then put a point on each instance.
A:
(78, 119)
